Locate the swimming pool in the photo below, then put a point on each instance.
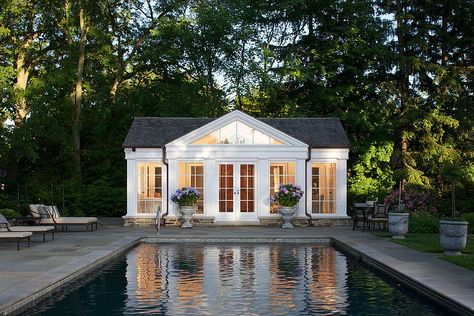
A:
(242, 279)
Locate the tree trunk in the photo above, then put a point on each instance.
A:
(76, 124)
(403, 82)
(22, 76)
(113, 90)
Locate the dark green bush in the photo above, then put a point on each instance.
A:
(9, 214)
(469, 217)
(423, 222)
(103, 199)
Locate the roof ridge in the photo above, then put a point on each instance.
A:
(258, 118)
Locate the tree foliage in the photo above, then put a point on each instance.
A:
(74, 73)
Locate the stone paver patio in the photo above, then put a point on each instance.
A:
(27, 275)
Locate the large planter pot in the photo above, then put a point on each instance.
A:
(287, 213)
(398, 224)
(187, 212)
(452, 236)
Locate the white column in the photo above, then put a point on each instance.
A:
(308, 193)
(173, 185)
(164, 189)
(132, 181)
(263, 187)
(341, 187)
(210, 182)
(300, 169)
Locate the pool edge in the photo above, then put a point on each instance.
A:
(406, 280)
(26, 303)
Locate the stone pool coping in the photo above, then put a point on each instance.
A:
(427, 274)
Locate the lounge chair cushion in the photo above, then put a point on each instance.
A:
(69, 220)
(34, 209)
(15, 235)
(43, 212)
(55, 212)
(33, 229)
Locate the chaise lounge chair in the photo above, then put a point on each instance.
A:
(16, 237)
(6, 227)
(49, 215)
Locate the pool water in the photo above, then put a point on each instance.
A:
(235, 279)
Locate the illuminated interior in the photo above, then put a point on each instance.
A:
(237, 133)
(280, 173)
(192, 174)
(323, 188)
(149, 187)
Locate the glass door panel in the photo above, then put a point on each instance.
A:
(247, 190)
(236, 191)
(226, 188)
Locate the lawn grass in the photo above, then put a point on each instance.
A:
(430, 243)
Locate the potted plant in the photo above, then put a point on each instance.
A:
(453, 232)
(186, 198)
(287, 198)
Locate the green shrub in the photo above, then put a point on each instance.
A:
(423, 222)
(103, 199)
(469, 217)
(9, 214)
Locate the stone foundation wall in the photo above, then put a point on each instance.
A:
(303, 222)
(170, 221)
(264, 221)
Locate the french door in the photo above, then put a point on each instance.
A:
(237, 191)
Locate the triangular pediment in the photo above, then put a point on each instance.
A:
(237, 128)
(236, 133)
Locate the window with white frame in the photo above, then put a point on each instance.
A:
(150, 187)
(323, 188)
(280, 173)
(237, 133)
(192, 174)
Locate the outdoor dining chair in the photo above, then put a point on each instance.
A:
(360, 215)
(379, 217)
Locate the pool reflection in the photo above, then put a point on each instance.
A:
(237, 279)
(257, 279)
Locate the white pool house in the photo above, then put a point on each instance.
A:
(237, 162)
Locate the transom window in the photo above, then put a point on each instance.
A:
(149, 187)
(192, 174)
(237, 133)
(280, 173)
(323, 188)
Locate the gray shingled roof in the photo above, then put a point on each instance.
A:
(155, 132)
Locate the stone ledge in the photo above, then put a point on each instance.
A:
(303, 221)
(198, 220)
(271, 221)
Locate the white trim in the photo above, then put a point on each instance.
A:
(235, 115)
(132, 185)
(236, 215)
(329, 153)
(233, 152)
(144, 153)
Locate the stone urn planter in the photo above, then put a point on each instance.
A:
(287, 213)
(187, 212)
(452, 236)
(398, 224)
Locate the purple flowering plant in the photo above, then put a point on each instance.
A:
(415, 200)
(186, 196)
(287, 195)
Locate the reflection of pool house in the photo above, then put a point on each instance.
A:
(237, 162)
